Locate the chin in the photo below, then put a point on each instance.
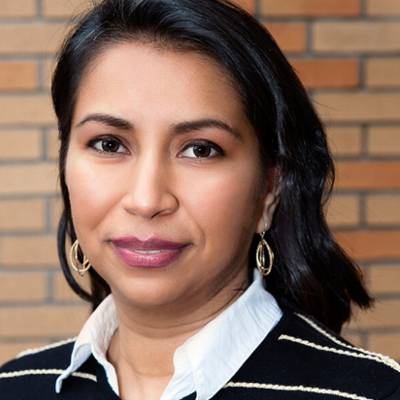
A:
(147, 293)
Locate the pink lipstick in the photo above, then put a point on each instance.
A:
(151, 253)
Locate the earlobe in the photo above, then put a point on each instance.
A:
(271, 200)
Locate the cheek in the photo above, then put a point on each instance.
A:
(89, 193)
(225, 204)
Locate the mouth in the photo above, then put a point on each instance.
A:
(151, 253)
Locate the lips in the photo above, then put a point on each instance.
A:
(150, 253)
(153, 243)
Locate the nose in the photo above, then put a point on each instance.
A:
(149, 188)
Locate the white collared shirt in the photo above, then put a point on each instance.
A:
(206, 361)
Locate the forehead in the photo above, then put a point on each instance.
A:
(137, 78)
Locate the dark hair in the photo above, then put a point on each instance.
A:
(311, 274)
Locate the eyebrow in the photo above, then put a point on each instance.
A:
(178, 128)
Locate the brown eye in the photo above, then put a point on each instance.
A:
(106, 145)
(203, 149)
(109, 145)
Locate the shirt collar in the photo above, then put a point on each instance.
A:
(94, 338)
(204, 362)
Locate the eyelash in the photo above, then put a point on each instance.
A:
(193, 143)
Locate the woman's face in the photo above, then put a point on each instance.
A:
(139, 164)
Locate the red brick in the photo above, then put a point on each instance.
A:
(62, 291)
(383, 209)
(9, 349)
(383, 72)
(354, 338)
(41, 322)
(56, 207)
(344, 140)
(387, 344)
(248, 5)
(49, 65)
(291, 37)
(17, 9)
(22, 214)
(22, 287)
(67, 9)
(384, 278)
(358, 106)
(354, 36)
(343, 210)
(18, 75)
(27, 109)
(384, 140)
(384, 315)
(53, 144)
(33, 178)
(364, 245)
(310, 8)
(23, 144)
(63, 8)
(369, 175)
(28, 251)
(383, 7)
(327, 73)
(33, 38)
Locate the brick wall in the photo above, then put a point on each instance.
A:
(347, 53)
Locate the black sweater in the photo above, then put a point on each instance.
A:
(300, 359)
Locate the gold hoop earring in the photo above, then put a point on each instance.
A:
(260, 256)
(75, 263)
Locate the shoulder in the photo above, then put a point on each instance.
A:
(35, 370)
(301, 354)
(56, 355)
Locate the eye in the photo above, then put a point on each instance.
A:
(106, 144)
(203, 149)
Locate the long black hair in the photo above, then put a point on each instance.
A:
(311, 274)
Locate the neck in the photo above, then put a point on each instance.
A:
(145, 341)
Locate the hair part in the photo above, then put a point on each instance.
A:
(312, 274)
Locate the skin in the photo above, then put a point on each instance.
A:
(154, 183)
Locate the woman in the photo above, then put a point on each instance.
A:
(193, 171)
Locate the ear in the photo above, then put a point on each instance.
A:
(270, 200)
